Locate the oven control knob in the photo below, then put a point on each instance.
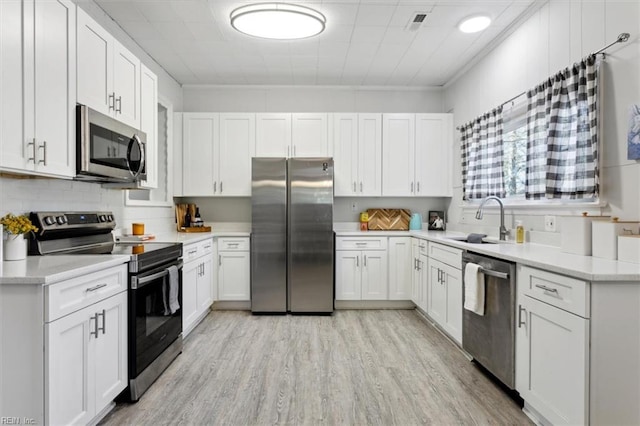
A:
(103, 218)
(110, 217)
(61, 220)
(49, 220)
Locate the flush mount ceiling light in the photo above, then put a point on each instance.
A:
(279, 21)
(473, 24)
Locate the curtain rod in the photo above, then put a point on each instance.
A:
(622, 38)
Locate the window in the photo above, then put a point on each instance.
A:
(514, 140)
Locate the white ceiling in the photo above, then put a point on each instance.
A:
(365, 42)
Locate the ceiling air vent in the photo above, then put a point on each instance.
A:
(416, 21)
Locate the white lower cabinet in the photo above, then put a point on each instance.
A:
(552, 346)
(400, 272)
(197, 283)
(361, 274)
(445, 288)
(234, 268)
(67, 360)
(419, 276)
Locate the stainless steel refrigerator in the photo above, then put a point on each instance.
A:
(292, 244)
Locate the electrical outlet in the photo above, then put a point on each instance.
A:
(354, 207)
(550, 223)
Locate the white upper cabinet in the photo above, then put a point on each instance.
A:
(108, 74)
(398, 150)
(417, 154)
(217, 151)
(237, 142)
(292, 135)
(357, 147)
(309, 135)
(273, 135)
(434, 146)
(38, 92)
(149, 123)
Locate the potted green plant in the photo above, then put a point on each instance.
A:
(15, 228)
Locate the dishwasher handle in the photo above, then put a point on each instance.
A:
(492, 273)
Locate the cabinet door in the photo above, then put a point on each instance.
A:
(398, 147)
(126, 85)
(370, 155)
(273, 135)
(434, 145)
(552, 363)
(189, 294)
(67, 369)
(415, 275)
(423, 264)
(453, 284)
(400, 272)
(200, 140)
(149, 123)
(348, 276)
(233, 276)
(110, 360)
(54, 94)
(16, 151)
(374, 275)
(437, 293)
(94, 64)
(205, 278)
(237, 145)
(345, 154)
(309, 135)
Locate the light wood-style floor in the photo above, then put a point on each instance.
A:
(379, 367)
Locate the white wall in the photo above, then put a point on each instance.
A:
(22, 195)
(559, 34)
(310, 99)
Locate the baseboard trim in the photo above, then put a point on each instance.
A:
(374, 304)
(228, 305)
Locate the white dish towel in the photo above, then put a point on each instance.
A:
(474, 288)
(174, 285)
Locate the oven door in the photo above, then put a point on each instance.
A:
(152, 325)
(109, 148)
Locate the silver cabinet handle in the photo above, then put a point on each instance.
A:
(104, 322)
(360, 186)
(44, 152)
(418, 187)
(215, 187)
(294, 150)
(415, 263)
(95, 325)
(207, 246)
(219, 260)
(549, 289)
(365, 260)
(357, 261)
(112, 101)
(520, 322)
(354, 187)
(192, 251)
(412, 187)
(361, 244)
(288, 151)
(221, 187)
(419, 265)
(33, 145)
(119, 107)
(96, 287)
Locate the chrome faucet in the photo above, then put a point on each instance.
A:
(503, 230)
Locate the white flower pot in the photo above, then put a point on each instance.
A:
(15, 247)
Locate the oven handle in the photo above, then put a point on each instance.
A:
(137, 283)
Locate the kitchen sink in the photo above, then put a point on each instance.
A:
(464, 240)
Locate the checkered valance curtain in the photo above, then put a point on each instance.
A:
(562, 124)
(482, 173)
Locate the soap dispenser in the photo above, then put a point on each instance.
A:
(519, 232)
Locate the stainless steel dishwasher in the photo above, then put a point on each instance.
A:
(490, 338)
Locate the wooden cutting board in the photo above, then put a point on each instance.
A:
(389, 219)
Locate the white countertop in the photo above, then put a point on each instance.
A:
(46, 270)
(193, 237)
(536, 255)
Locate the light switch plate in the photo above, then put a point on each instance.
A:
(550, 223)
(354, 207)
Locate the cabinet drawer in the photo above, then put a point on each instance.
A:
(422, 246)
(205, 247)
(445, 254)
(68, 296)
(233, 244)
(361, 243)
(566, 293)
(191, 251)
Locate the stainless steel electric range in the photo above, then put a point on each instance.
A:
(155, 285)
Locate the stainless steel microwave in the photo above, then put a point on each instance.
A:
(108, 150)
